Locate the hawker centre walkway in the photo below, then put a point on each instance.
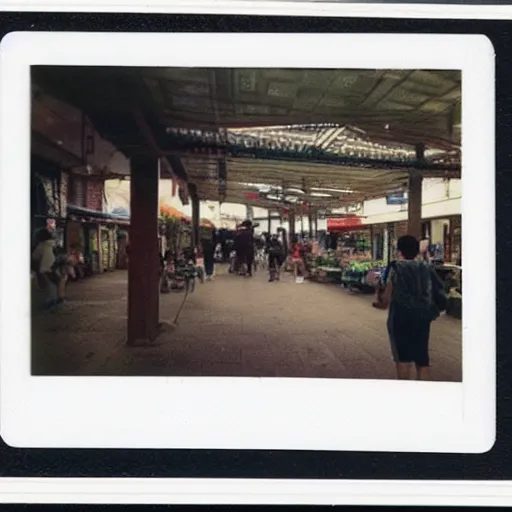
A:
(232, 326)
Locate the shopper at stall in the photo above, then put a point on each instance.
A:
(297, 256)
(415, 297)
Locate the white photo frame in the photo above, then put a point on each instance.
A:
(253, 413)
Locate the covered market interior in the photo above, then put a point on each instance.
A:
(289, 140)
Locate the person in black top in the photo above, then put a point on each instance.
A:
(208, 248)
(275, 258)
(415, 297)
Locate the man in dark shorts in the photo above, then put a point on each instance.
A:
(411, 285)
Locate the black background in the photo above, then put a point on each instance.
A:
(497, 464)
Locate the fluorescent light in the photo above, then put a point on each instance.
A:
(343, 191)
(318, 194)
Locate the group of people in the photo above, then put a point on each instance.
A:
(247, 249)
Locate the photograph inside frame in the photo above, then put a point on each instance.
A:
(231, 222)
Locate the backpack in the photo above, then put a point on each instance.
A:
(439, 297)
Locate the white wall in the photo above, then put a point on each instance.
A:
(441, 198)
(436, 235)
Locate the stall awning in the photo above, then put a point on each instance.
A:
(170, 211)
(345, 224)
(87, 214)
(207, 223)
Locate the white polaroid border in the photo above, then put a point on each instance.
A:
(252, 413)
(314, 8)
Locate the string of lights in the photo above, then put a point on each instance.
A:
(327, 143)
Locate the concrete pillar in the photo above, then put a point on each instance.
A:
(143, 267)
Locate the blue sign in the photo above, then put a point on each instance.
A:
(398, 198)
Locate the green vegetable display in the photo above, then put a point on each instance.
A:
(355, 273)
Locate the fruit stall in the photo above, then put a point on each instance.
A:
(326, 268)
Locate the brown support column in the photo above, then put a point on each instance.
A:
(195, 220)
(291, 223)
(316, 225)
(310, 223)
(269, 222)
(143, 267)
(415, 195)
(414, 206)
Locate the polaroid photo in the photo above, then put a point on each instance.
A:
(248, 241)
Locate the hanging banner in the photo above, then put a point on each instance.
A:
(49, 185)
(345, 224)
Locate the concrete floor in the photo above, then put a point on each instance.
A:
(232, 326)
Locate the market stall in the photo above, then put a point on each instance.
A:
(451, 276)
(362, 275)
(326, 268)
(175, 230)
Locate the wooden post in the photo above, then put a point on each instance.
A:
(291, 222)
(144, 263)
(195, 221)
(415, 196)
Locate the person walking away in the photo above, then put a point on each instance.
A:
(43, 260)
(275, 258)
(415, 297)
(208, 246)
(245, 248)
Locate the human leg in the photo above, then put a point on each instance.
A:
(295, 264)
(400, 333)
(208, 265)
(421, 356)
(272, 267)
(49, 288)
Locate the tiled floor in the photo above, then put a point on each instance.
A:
(232, 326)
